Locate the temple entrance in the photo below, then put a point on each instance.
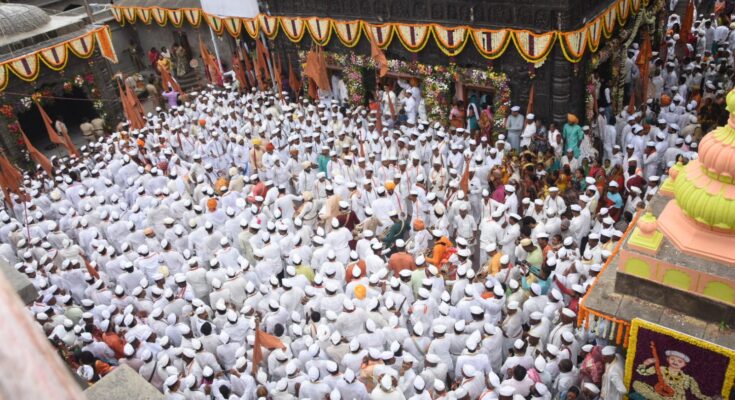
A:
(73, 109)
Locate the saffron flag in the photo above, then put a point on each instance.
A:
(294, 81)
(11, 175)
(211, 65)
(132, 115)
(277, 73)
(686, 25)
(464, 183)
(168, 81)
(262, 62)
(36, 155)
(643, 61)
(61, 138)
(10, 179)
(268, 341)
(377, 54)
(239, 71)
(316, 69)
(249, 72)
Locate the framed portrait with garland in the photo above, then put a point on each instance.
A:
(666, 364)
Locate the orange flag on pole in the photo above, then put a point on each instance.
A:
(249, 72)
(131, 113)
(61, 138)
(263, 59)
(686, 24)
(239, 71)
(36, 155)
(10, 180)
(644, 61)
(464, 183)
(294, 81)
(210, 64)
(277, 72)
(168, 81)
(13, 177)
(377, 54)
(268, 341)
(316, 69)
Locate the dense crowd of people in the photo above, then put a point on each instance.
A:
(245, 246)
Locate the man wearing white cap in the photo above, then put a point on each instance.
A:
(613, 387)
(514, 123)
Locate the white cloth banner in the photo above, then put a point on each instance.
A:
(231, 8)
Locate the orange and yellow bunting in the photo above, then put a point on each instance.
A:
(594, 34)
(574, 44)
(56, 57)
(534, 47)
(413, 36)
(176, 17)
(348, 32)
(193, 15)
(251, 27)
(117, 13)
(382, 34)
(490, 43)
(25, 68)
(159, 15)
(233, 25)
(130, 14)
(269, 25)
(144, 14)
(451, 41)
(215, 23)
(3, 77)
(320, 29)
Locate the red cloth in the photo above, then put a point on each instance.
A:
(265, 340)
(400, 261)
(358, 264)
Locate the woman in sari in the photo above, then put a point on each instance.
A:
(457, 115)
(486, 123)
(565, 177)
(180, 60)
(472, 115)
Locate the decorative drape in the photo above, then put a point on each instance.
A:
(28, 66)
(532, 46)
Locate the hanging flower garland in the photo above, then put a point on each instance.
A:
(436, 81)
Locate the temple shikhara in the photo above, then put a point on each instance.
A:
(373, 199)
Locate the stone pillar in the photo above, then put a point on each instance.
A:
(100, 68)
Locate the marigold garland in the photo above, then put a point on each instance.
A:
(602, 25)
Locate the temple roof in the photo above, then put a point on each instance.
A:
(19, 18)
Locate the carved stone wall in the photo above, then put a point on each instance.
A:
(559, 89)
(538, 15)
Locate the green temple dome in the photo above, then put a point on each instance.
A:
(705, 188)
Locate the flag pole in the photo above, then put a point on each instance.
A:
(268, 62)
(216, 49)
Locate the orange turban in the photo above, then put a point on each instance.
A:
(269, 147)
(212, 204)
(572, 119)
(418, 225)
(141, 143)
(390, 185)
(202, 122)
(665, 100)
(360, 292)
